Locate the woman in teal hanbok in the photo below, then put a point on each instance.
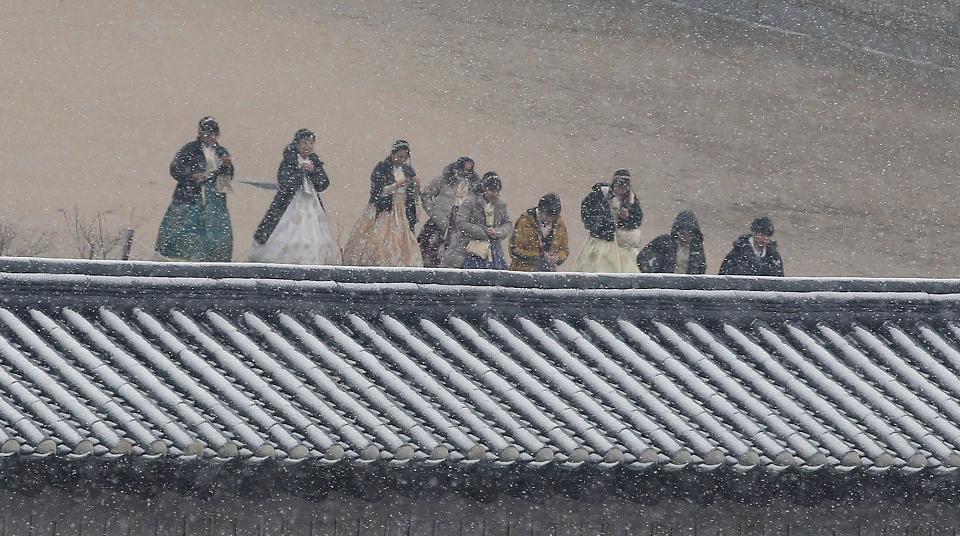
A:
(197, 226)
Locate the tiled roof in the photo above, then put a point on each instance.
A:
(448, 368)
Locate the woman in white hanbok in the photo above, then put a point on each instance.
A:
(296, 229)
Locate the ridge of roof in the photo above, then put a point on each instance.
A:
(445, 276)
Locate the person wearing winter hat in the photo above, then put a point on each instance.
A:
(539, 239)
(196, 225)
(755, 253)
(612, 215)
(441, 199)
(679, 252)
(383, 236)
(296, 229)
(481, 224)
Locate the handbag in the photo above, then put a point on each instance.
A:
(480, 248)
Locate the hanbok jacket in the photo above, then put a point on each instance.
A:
(381, 177)
(595, 212)
(188, 161)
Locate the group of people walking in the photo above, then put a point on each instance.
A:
(467, 223)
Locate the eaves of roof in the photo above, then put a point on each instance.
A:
(832, 383)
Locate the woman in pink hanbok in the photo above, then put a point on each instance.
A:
(383, 236)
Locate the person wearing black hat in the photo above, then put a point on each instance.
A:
(383, 236)
(481, 224)
(755, 253)
(612, 215)
(539, 239)
(679, 252)
(196, 226)
(296, 229)
(441, 199)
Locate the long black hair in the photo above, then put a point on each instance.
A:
(208, 124)
(460, 165)
(303, 134)
(400, 145)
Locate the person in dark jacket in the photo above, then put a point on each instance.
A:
(612, 215)
(680, 252)
(384, 234)
(296, 229)
(196, 226)
(754, 254)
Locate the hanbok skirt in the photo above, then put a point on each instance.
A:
(302, 236)
(496, 262)
(383, 239)
(432, 240)
(605, 256)
(199, 231)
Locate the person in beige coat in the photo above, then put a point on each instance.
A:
(481, 224)
(441, 199)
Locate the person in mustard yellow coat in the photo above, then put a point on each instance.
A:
(539, 240)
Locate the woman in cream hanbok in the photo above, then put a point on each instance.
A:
(612, 215)
(296, 229)
(383, 236)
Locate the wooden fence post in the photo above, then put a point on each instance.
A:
(127, 245)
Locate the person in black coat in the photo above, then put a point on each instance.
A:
(680, 252)
(196, 225)
(754, 254)
(296, 229)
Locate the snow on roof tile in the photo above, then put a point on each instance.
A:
(354, 365)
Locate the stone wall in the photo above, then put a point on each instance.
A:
(62, 513)
(926, 31)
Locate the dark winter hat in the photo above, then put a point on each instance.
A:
(399, 145)
(549, 204)
(686, 221)
(208, 124)
(304, 134)
(621, 176)
(762, 225)
(490, 181)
